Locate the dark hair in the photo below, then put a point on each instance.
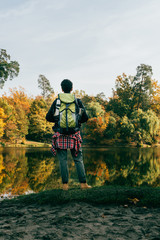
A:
(66, 85)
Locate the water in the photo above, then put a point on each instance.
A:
(35, 169)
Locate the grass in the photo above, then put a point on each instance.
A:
(115, 195)
(28, 144)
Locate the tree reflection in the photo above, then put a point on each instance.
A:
(14, 174)
(131, 167)
(40, 167)
(36, 169)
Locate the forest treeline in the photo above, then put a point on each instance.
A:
(130, 115)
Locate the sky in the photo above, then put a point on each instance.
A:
(90, 42)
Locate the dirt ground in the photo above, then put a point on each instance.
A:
(78, 221)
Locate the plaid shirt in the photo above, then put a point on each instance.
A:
(72, 141)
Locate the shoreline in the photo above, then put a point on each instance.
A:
(32, 144)
(97, 213)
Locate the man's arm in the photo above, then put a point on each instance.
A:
(84, 117)
(50, 115)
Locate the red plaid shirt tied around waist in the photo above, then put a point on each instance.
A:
(72, 141)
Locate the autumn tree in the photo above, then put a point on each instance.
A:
(16, 107)
(97, 123)
(45, 86)
(2, 124)
(79, 94)
(132, 92)
(8, 69)
(10, 127)
(39, 127)
(155, 100)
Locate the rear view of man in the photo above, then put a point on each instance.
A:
(68, 113)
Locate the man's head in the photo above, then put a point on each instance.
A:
(66, 85)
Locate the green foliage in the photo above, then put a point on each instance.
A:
(8, 69)
(38, 127)
(111, 129)
(118, 107)
(146, 125)
(127, 128)
(124, 87)
(142, 87)
(132, 100)
(94, 109)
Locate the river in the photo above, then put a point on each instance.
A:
(26, 170)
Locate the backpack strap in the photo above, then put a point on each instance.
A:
(76, 101)
(58, 105)
(67, 105)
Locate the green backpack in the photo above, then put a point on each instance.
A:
(68, 117)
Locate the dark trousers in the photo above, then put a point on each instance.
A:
(62, 156)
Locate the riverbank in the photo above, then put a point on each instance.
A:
(99, 213)
(110, 195)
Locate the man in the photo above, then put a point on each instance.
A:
(67, 137)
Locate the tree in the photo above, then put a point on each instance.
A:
(94, 109)
(2, 124)
(16, 107)
(132, 92)
(98, 119)
(127, 128)
(118, 107)
(39, 128)
(146, 125)
(122, 101)
(101, 99)
(10, 127)
(79, 94)
(155, 101)
(44, 85)
(8, 69)
(142, 87)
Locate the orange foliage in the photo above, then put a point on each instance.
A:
(1, 169)
(101, 172)
(2, 124)
(19, 98)
(95, 127)
(20, 189)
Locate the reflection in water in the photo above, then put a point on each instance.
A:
(128, 166)
(23, 170)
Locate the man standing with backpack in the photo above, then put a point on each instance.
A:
(68, 113)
